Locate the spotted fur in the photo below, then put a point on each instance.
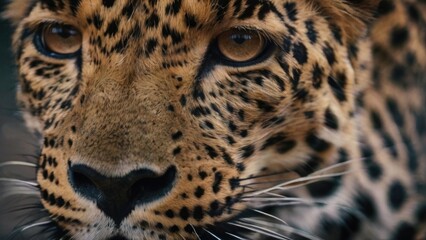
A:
(324, 138)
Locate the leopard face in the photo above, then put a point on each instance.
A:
(183, 118)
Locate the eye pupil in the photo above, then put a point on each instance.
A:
(63, 32)
(240, 38)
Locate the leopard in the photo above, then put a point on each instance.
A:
(223, 119)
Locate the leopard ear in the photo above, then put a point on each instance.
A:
(352, 16)
(16, 10)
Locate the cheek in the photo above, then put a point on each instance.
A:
(246, 98)
(46, 88)
(33, 124)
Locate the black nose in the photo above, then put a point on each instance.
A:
(118, 196)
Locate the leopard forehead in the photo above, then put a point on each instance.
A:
(148, 96)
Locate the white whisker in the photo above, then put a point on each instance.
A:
(286, 200)
(17, 163)
(260, 230)
(286, 228)
(195, 231)
(34, 225)
(300, 201)
(271, 199)
(287, 204)
(18, 181)
(218, 238)
(302, 182)
(278, 195)
(332, 167)
(235, 236)
(270, 215)
(18, 186)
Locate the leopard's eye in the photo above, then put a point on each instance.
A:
(239, 46)
(59, 40)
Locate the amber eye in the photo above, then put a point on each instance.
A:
(240, 45)
(60, 40)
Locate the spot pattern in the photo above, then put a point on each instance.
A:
(323, 129)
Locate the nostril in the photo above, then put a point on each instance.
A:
(83, 182)
(147, 189)
(86, 181)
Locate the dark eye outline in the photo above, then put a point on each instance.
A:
(220, 58)
(43, 49)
